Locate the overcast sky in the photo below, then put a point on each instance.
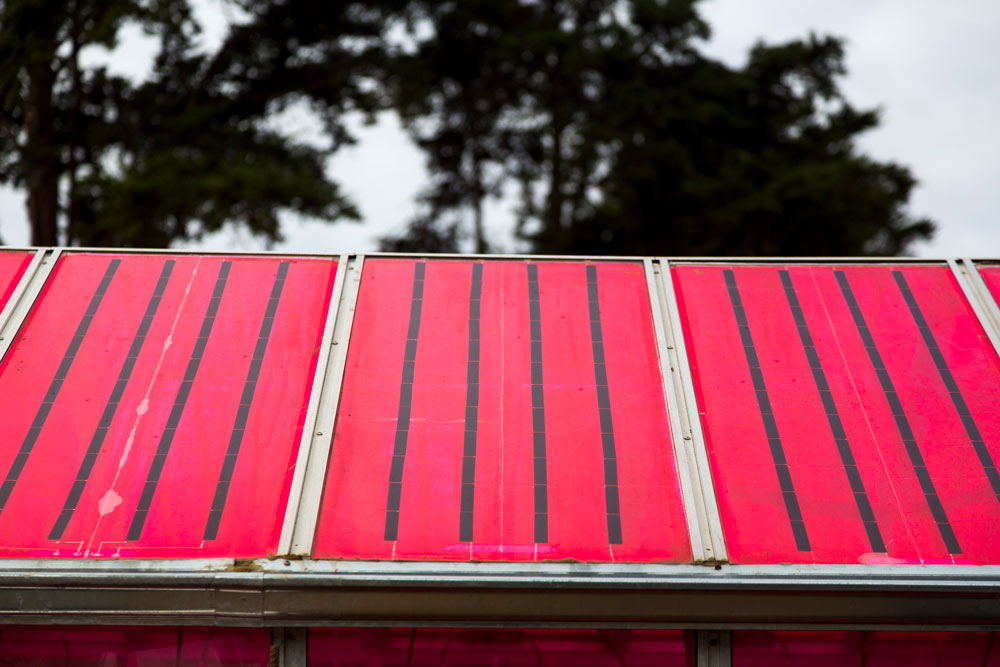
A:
(932, 67)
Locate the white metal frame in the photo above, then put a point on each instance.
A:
(303, 530)
(23, 297)
(979, 297)
(704, 523)
(310, 431)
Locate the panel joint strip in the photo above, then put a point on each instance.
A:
(180, 401)
(309, 437)
(303, 528)
(691, 453)
(900, 418)
(405, 404)
(767, 415)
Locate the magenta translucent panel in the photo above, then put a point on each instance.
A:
(868, 649)
(342, 647)
(32, 646)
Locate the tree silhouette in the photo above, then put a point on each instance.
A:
(626, 139)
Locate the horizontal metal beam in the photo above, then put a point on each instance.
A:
(289, 593)
(523, 256)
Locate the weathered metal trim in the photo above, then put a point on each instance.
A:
(924, 597)
(694, 437)
(715, 648)
(979, 297)
(304, 532)
(289, 647)
(806, 260)
(309, 427)
(23, 298)
(687, 467)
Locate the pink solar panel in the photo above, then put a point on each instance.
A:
(43, 646)
(849, 412)
(786, 648)
(502, 410)
(340, 647)
(160, 405)
(12, 266)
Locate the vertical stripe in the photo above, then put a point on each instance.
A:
(833, 417)
(604, 411)
(971, 429)
(471, 409)
(902, 423)
(767, 415)
(111, 407)
(405, 401)
(180, 400)
(50, 396)
(538, 409)
(243, 413)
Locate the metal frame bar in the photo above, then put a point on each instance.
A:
(300, 593)
(680, 432)
(693, 435)
(714, 648)
(23, 298)
(979, 297)
(526, 256)
(312, 412)
(303, 533)
(289, 647)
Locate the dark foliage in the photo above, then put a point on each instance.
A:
(626, 139)
(617, 133)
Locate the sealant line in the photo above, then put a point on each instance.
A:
(833, 417)
(767, 416)
(971, 429)
(246, 400)
(28, 444)
(538, 409)
(471, 408)
(604, 411)
(180, 400)
(899, 415)
(405, 403)
(111, 407)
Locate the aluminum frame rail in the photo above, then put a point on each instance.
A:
(283, 593)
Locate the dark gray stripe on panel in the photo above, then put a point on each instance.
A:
(971, 429)
(833, 417)
(471, 409)
(604, 411)
(767, 415)
(405, 401)
(538, 409)
(111, 407)
(902, 423)
(180, 400)
(50, 396)
(243, 413)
